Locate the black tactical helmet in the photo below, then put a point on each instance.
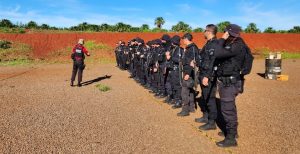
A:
(166, 37)
(188, 36)
(176, 40)
(233, 30)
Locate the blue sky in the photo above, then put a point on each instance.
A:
(279, 14)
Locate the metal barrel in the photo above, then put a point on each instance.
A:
(273, 68)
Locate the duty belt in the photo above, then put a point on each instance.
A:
(175, 68)
(228, 80)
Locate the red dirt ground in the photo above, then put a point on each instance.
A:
(44, 43)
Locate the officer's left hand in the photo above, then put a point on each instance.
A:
(205, 81)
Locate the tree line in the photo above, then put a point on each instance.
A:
(122, 27)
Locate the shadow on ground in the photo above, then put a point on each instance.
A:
(86, 83)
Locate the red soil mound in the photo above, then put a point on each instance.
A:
(44, 43)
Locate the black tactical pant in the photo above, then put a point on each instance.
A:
(208, 99)
(132, 68)
(187, 95)
(156, 81)
(124, 60)
(162, 76)
(168, 84)
(78, 66)
(148, 76)
(175, 83)
(228, 94)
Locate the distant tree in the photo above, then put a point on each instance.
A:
(159, 21)
(6, 23)
(222, 25)
(106, 27)
(121, 27)
(32, 25)
(83, 26)
(269, 30)
(135, 29)
(145, 27)
(181, 27)
(251, 28)
(198, 29)
(45, 26)
(296, 29)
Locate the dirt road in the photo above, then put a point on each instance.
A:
(41, 113)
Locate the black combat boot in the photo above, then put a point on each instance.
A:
(72, 84)
(177, 105)
(222, 134)
(203, 119)
(163, 95)
(79, 84)
(184, 112)
(211, 125)
(229, 141)
(168, 99)
(171, 102)
(157, 93)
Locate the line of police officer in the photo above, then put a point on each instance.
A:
(170, 72)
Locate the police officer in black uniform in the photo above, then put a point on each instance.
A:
(187, 92)
(132, 56)
(148, 64)
(175, 74)
(118, 54)
(207, 78)
(166, 44)
(229, 80)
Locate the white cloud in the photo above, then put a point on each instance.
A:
(264, 17)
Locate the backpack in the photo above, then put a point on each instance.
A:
(248, 60)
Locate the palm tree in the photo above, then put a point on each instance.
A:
(159, 21)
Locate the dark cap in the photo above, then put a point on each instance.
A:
(157, 41)
(139, 40)
(233, 30)
(176, 40)
(166, 37)
(187, 36)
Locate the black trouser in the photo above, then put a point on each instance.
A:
(124, 60)
(175, 83)
(162, 75)
(187, 95)
(132, 68)
(156, 81)
(168, 84)
(208, 99)
(228, 94)
(148, 75)
(78, 65)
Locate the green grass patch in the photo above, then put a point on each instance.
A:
(17, 54)
(12, 30)
(103, 88)
(91, 45)
(264, 52)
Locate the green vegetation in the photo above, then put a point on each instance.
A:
(6, 26)
(17, 54)
(264, 52)
(103, 88)
(181, 27)
(91, 45)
